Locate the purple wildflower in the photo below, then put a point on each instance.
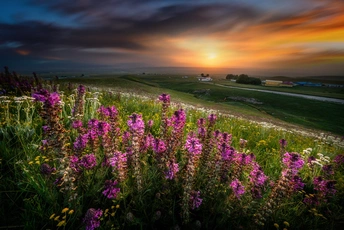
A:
(77, 124)
(103, 128)
(297, 183)
(150, 123)
(125, 137)
(283, 143)
(80, 142)
(311, 200)
(201, 122)
(119, 159)
(103, 111)
(173, 168)
(159, 146)
(227, 152)
(328, 169)
(93, 124)
(92, 218)
(238, 188)
(257, 176)
(41, 95)
(81, 89)
(53, 99)
(212, 119)
(136, 124)
(74, 163)
(193, 145)
(111, 191)
(195, 199)
(88, 161)
(293, 161)
(326, 187)
(46, 128)
(165, 98)
(339, 159)
(178, 120)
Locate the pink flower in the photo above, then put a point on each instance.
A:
(92, 218)
(136, 124)
(111, 191)
(193, 145)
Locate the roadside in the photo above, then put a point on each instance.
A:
(326, 99)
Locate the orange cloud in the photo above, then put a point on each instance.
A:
(22, 52)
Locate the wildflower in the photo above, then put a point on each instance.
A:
(193, 145)
(195, 199)
(61, 223)
(77, 124)
(103, 128)
(74, 163)
(283, 143)
(81, 142)
(92, 217)
(111, 191)
(159, 146)
(71, 212)
(212, 119)
(64, 210)
(257, 176)
(53, 99)
(136, 123)
(293, 161)
(297, 183)
(325, 187)
(52, 216)
(238, 189)
(311, 200)
(328, 169)
(165, 98)
(173, 168)
(339, 159)
(88, 161)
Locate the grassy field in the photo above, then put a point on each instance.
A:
(106, 157)
(310, 114)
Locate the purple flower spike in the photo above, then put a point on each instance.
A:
(165, 98)
(88, 161)
(54, 98)
(212, 118)
(77, 124)
(159, 146)
(193, 145)
(293, 161)
(92, 218)
(238, 189)
(173, 168)
(136, 124)
(195, 199)
(111, 191)
(283, 143)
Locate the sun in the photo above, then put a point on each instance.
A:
(211, 56)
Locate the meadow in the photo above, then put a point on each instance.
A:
(124, 156)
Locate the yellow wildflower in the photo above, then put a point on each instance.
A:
(71, 212)
(63, 222)
(52, 216)
(64, 210)
(117, 206)
(276, 225)
(38, 162)
(31, 162)
(286, 223)
(57, 218)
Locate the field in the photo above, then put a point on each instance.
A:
(137, 152)
(310, 114)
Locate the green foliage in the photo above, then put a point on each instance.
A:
(31, 199)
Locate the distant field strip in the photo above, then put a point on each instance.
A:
(340, 101)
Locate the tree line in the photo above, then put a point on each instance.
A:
(244, 79)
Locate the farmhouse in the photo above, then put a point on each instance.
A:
(205, 79)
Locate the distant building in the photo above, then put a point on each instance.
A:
(306, 83)
(278, 83)
(205, 79)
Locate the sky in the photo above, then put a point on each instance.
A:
(304, 37)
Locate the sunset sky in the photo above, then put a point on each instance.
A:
(299, 36)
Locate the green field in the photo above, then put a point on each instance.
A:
(280, 109)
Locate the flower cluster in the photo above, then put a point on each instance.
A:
(92, 218)
(195, 199)
(110, 190)
(237, 188)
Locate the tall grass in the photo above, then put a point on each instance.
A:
(75, 158)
